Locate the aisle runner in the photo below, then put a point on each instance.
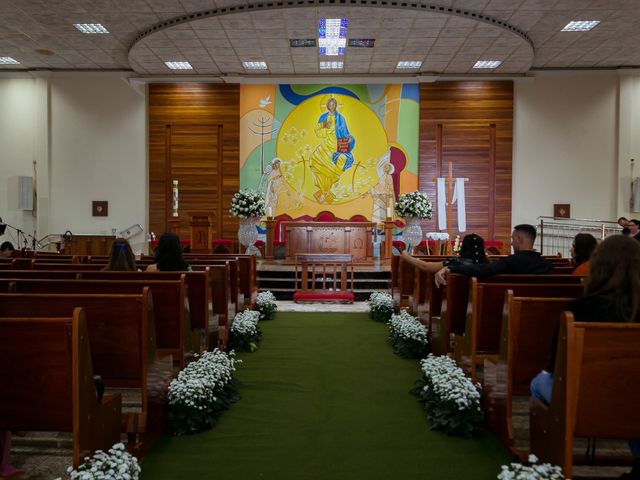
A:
(324, 398)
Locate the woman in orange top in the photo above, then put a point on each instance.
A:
(581, 249)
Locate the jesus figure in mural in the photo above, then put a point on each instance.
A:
(333, 156)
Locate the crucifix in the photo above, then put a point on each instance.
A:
(449, 184)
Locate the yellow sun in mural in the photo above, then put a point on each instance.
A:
(330, 146)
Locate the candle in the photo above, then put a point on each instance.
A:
(388, 212)
(269, 212)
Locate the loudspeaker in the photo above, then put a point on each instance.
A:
(25, 193)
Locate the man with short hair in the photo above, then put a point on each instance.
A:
(624, 223)
(634, 228)
(6, 249)
(524, 260)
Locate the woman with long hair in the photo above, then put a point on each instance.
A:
(121, 257)
(471, 252)
(168, 255)
(581, 249)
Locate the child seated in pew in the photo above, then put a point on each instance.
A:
(121, 257)
(168, 255)
(582, 247)
(612, 294)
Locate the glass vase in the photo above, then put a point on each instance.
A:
(248, 234)
(412, 233)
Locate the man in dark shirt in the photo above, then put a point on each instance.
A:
(524, 259)
(634, 228)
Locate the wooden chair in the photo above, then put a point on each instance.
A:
(324, 278)
(47, 383)
(596, 390)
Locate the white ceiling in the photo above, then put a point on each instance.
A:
(215, 36)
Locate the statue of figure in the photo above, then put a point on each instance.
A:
(333, 156)
(383, 194)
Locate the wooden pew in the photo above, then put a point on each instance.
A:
(47, 378)
(76, 267)
(170, 304)
(247, 270)
(39, 274)
(123, 350)
(484, 317)
(528, 325)
(596, 390)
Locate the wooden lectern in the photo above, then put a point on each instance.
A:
(200, 223)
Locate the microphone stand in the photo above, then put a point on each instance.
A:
(19, 232)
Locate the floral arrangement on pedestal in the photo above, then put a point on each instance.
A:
(381, 306)
(202, 391)
(414, 204)
(535, 471)
(247, 204)
(115, 464)
(451, 400)
(266, 305)
(407, 336)
(245, 332)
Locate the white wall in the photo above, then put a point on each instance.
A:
(98, 152)
(565, 146)
(17, 97)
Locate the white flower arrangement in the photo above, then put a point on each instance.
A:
(116, 464)
(414, 204)
(381, 306)
(266, 305)
(407, 336)
(247, 203)
(438, 236)
(452, 401)
(245, 332)
(201, 392)
(535, 471)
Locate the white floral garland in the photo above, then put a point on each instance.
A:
(536, 471)
(116, 464)
(450, 383)
(245, 323)
(407, 326)
(247, 203)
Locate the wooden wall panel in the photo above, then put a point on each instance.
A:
(194, 135)
(470, 124)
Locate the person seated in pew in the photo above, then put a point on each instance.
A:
(121, 257)
(6, 249)
(612, 294)
(524, 260)
(624, 223)
(582, 247)
(168, 255)
(634, 228)
(472, 252)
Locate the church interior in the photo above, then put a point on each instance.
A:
(293, 185)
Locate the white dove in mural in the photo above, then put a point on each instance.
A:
(265, 101)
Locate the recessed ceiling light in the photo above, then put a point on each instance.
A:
(361, 42)
(255, 65)
(8, 61)
(332, 36)
(91, 27)
(302, 42)
(409, 64)
(487, 64)
(331, 65)
(179, 65)
(580, 25)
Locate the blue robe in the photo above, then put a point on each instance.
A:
(342, 131)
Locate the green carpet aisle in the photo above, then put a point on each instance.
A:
(324, 398)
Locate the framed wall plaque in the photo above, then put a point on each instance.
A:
(562, 210)
(100, 208)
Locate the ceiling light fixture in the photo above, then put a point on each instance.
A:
(408, 64)
(8, 61)
(337, 65)
(255, 65)
(580, 25)
(488, 64)
(302, 42)
(332, 36)
(179, 65)
(361, 42)
(91, 27)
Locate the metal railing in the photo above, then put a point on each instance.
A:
(555, 235)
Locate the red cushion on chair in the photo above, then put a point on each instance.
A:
(348, 296)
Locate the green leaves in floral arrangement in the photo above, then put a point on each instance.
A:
(114, 464)
(535, 471)
(408, 336)
(381, 306)
(266, 305)
(202, 391)
(451, 401)
(245, 333)
(414, 204)
(247, 203)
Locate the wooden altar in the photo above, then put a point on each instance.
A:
(349, 238)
